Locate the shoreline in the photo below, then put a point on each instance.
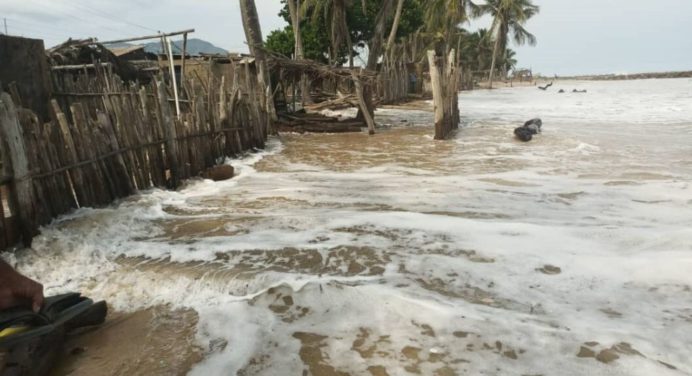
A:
(622, 77)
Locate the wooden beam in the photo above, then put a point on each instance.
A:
(76, 67)
(157, 36)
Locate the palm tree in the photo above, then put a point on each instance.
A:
(508, 16)
(294, 12)
(443, 17)
(395, 25)
(508, 61)
(334, 12)
(253, 35)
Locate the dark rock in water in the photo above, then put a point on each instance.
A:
(523, 133)
(219, 173)
(537, 121)
(534, 125)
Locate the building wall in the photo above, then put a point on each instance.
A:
(23, 61)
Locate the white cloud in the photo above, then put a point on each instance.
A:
(217, 21)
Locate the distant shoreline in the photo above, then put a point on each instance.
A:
(620, 77)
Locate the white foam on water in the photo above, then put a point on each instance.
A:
(423, 256)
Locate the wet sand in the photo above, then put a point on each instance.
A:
(399, 255)
(156, 341)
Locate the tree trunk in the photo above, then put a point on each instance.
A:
(395, 25)
(253, 35)
(294, 10)
(374, 51)
(492, 65)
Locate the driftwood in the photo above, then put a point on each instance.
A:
(334, 104)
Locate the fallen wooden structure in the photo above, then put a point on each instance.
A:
(291, 70)
(302, 122)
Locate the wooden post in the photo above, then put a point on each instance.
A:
(22, 182)
(171, 66)
(182, 65)
(438, 100)
(168, 126)
(363, 106)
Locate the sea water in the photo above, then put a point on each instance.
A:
(395, 254)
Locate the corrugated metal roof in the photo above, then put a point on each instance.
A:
(120, 51)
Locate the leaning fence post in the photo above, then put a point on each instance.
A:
(22, 182)
(171, 135)
(438, 96)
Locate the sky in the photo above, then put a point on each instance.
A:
(574, 36)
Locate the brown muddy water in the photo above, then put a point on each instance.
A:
(399, 255)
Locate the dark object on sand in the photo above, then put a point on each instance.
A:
(579, 91)
(531, 127)
(561, 91)
(534, 125)
(546, 86)
(523, 134)
(31, 342)
(219, 172)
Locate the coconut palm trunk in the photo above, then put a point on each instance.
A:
(492, 64)
(395, 25)
(293, 9)
(374, 51)
(253, 35)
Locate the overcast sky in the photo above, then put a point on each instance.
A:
(584, 36)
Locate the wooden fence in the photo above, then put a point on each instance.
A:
(393, 81)
(107, 139)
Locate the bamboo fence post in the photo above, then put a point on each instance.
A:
(170, 133)
(76, 174)
(182, 65)
(14, 136)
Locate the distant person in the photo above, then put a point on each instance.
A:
(17, 290)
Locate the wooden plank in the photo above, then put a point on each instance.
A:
(7, 200)
(13, 133)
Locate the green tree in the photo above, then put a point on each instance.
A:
(509, 16)
(443, 19)
(361, 20)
